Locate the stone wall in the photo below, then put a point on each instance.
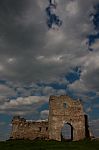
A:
(63, 110)
(22, 129)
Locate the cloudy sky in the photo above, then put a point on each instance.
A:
(36, 62)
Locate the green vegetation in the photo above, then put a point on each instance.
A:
(49, 145)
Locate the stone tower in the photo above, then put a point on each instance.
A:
(63, 110)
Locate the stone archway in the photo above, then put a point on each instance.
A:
(67, 132)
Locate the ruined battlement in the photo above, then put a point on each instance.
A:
(19, 120)
(23, 129)
(62, 110)
(66, 98)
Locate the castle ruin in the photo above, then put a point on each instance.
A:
(62, 110)
(23, 129)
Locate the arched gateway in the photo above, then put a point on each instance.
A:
(67, 132)
(62, 110)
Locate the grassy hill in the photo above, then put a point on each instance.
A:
(49, 145)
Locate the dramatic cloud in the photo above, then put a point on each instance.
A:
(89, 75)
(23, 106)
(29, 51)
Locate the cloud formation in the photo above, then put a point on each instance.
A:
(23, 106)
(31, 52)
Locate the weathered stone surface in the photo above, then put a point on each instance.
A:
(62, 110)
(22, 129)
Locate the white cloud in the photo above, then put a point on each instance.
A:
(48, 90)
(72, 8)
(23, 106)
(52, 59)
(11, 60)
(20, 101)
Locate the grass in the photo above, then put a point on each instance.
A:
(49, 145)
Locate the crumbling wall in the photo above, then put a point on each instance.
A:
(62, 110)
(22, 129)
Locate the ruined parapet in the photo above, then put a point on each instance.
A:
(22, 129)
(63, 110)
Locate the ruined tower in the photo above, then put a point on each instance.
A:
(63, 110)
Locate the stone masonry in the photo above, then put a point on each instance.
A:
(22, 129)
(62, 110)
